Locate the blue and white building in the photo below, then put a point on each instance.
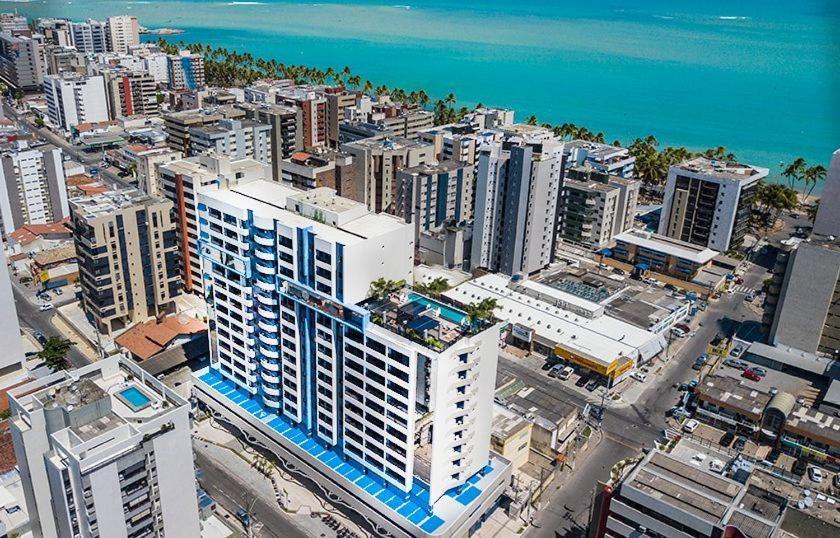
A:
(380, 400)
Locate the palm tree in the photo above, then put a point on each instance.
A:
(354, 81)
(381, 288)
(481, 311)
(794, 171)
(532, 120)
(367, 87)
(54, 353)
(450, 99)
(812, 176)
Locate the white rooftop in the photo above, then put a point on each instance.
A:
(667, 245)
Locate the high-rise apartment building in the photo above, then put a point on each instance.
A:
(338, 99)
(123, 32)
(377, 163)
(400, 119)
(313, 107)
(74, 99)
(179, 124)
(238, 139)
(434, 195)
(90, 37)
(286, 130)
(148, 168)
(827, 221)
(62, 60)
(127, 255)
(57, 32)
(104, 450)
(32, 187)
(13, 23)
(381, 400)
(708, 202)
(595, 206)
(23, 60)
(518, 184)
(607, 159)
(130, 93)
(458, 142)
(181, 181)
(322, 168)
(186, 71)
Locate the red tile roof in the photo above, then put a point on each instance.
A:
(145, 340)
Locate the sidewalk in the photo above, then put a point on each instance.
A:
(71, 320)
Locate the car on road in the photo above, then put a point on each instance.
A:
(39, 336)
(740, 443)
(584, 379)
(735, 363)
(243, 517)
(46, 306)
(700, 362)
(751, 375)
(726, 439)
(641, 377)
(750, 298)
(592, 385)
(736, 351)
(690, 426)
(58, 291)
(815, 474)
(682, 387)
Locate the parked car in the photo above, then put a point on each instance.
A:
(836, 481)
(726, 439)
(735, 363)
(243, 517)
(683, 327)
(58, 291)
(690, 426)
(736, 351)
(639, 376)
(39, 336)
(750, 298)
(566, 373)
(750, 374)
(740, 443)
(592, 385)
(46, 306)
(759, 370)
(584, 379)
(815, 474)
(679, 333)
(699, 362)
(555, 370)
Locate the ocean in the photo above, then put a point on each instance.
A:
(761, 77)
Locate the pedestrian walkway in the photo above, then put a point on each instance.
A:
(743, 289)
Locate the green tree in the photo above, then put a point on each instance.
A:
(481, 311)
(532, 120)
(434, 288)
(55, 352)
(382, 288)
(794, 171)
(812, 176)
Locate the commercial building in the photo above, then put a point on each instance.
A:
(377, 163)
(22, 60)
(595, 207)
(708, 202)
(127, 256)
(286, 130)
(431, 196)
(186, 71)
(104, 450)
(90, 37)
(237, 139)
(123, 32)
(518, 184)
(32, 186)
(672, 257)
(131, 93)
(378, 399)
(606, 159)
(75, 99)
(179, 124)
(148, 163)
(181, 181)
(321, 168)
(803, 302)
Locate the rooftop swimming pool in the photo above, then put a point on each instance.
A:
(446, 312)
(134, 398)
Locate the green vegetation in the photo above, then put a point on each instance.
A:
(799, 172)
(770, 200)
(434, 288)
(382, 288)
(481, 311)
(54, 353)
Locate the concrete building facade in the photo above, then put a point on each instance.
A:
(32, 186)
(286, 130)
(73, 99)
(237, 139)
(23, 60)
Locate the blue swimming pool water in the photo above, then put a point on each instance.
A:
(447, 312)
(134, 397)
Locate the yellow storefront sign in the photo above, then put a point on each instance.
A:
(612, 370)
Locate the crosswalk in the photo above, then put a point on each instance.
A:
(744, 289)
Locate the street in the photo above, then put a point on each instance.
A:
(32, 318)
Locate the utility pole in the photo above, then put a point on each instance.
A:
(249, 516)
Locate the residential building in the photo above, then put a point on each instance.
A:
(458, 142)
(400, 119)
(265, 91)
(131, 93)
(13, 23)
(62, 60)
(313, 107)
(518, 184)
(594, 207)
(238, 139)
(104, 450)
(181, 181)
(369, 397)
(90, 37)
(123, 32)
(352, 131)
(75, 99)
(377, 163)
(286, 130)
(322, 168)
(12, 358)
(179, 124)
(708, 202)
(127, 255)
(802, 308)
(155, 61)
(607, 159)
(338, 99)
(186, 71)
(827, 221)
(662, 254)
(490, 118)
(57, 32)
(32, 186)
(449, 246)
(22, 60)
(432, 196)
(148, 164)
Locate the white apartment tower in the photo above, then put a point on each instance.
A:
(123, 32)
(380, 399)
(104, 451)
(32, 187)
(89, 37)
(73, 99)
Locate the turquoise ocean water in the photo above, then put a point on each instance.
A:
(761, 77)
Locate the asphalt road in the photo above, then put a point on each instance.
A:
(32, 318)
(227, 490)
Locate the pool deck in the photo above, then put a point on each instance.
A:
(410, 510)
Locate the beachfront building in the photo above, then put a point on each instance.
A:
(123, 32)
(708, 202)
(607, 159)
(104, 450)
(376, 398)
(186, 71)
(518, 183)
(73, 99)
(32, 186)
(127, 256)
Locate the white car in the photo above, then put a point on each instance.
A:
(46, 306)
(690, 426)
(641, 377)
(815, 474)
(566, 373)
